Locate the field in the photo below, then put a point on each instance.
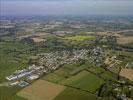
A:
(38, 34)
(84, 80)
(125, 40)
(26, 41)
(84, 77)
(12, 57)
(79, 38)
(17, 98)
(109, 76)
(74, 94)
(64, 72)
(38, 40)
(127, 73)
(41, 90)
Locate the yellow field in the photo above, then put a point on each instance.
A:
(127, 73)
(41, 90)
(79, 38)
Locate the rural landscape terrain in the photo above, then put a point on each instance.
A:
(66, 58)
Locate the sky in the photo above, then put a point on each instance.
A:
(66, 7)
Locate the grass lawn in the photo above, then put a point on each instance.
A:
(74, 94)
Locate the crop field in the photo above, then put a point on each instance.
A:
(127, 73)
(17, 98)
(109, 76)
(84, 80)
(79, 38)
(125, 40)
(52, 77)
(11, 59)
(74, 94)
(38, 40)
(59, 74)
(6, 93)
(96, 69)
(38, 34)
(64, 72)
(11, 56)
(41, 90)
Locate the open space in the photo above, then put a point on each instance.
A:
(74, 94)
(79, 38)
(84, 80)
(41, 90)
(125, 40)
(128, 73)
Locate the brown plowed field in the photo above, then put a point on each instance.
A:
(128, 73)
(41, 90)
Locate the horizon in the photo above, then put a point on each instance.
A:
(66, 8)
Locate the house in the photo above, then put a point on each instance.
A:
(14, 83)
(11, 77)
(32, 77)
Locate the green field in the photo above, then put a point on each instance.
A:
(13, 56)
(6, 93)
(84, 80)
(59, 74)
(64, 72)
(79, 38)
(17, 98)
(74, 94)
(52, 77)
(109, 76)
(96, 69)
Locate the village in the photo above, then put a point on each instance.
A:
(49, 62)
(81, 55)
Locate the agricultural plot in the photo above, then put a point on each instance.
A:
(17, 98)
(36, 40)
(64, 72)
(96, 70)
(74, 94)
(127, 73)
(109, 76)
(6, 93)
(52, 77)
(84, 80)
(59, 74)
(41, 90)
(79, 38)
(80, 68)
(38, 34)
(12, 56)
(125, 40)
